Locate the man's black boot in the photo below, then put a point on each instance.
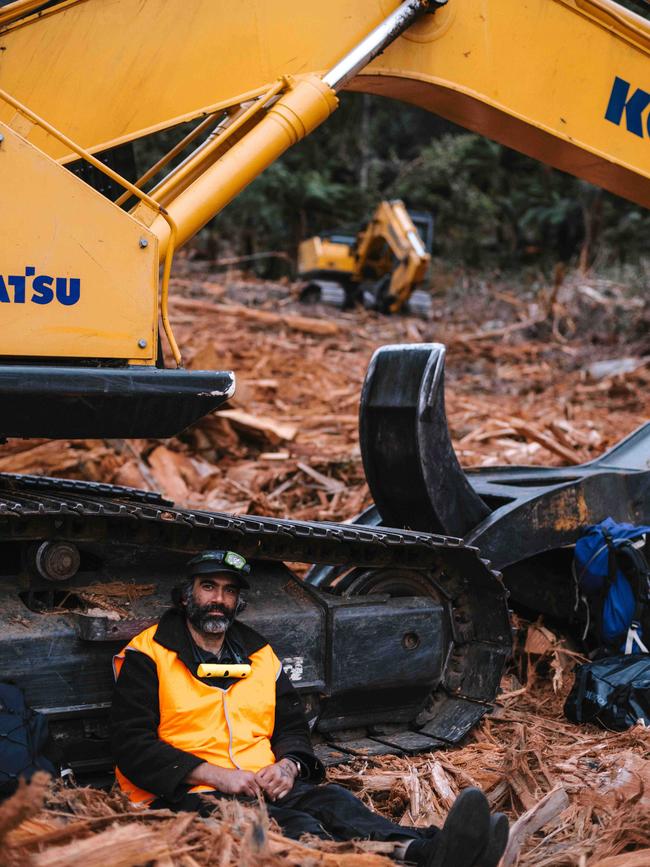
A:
(497, 843)
(464, 837)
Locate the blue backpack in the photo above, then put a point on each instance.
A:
(23, 737)
(613, 579)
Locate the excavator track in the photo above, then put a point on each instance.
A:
(406, 656)
(271, 538)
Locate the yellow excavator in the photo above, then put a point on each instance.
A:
(398, 636)
(382, 267)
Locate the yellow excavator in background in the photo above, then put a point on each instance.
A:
(382, 266)
(401, 647)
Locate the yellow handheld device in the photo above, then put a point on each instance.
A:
(212, 669)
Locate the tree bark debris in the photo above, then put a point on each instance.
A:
(521, 393)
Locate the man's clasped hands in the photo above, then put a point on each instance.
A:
(274, 781)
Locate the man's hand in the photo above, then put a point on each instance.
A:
(277, 780)
(238, 783)
(225, 780)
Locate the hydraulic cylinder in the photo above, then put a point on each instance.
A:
(308, 102)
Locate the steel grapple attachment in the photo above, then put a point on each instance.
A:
(524, 519)
(410, 463)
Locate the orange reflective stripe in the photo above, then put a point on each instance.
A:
(230, 728)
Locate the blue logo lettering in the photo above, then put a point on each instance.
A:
(632, 106)
(39, 288)
(68, 291)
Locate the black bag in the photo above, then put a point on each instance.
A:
(613, 692)
(23, 737)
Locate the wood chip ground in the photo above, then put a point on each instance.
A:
(547, 376)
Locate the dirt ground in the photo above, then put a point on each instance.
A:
(553, 373)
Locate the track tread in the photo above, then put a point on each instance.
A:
(381, 546)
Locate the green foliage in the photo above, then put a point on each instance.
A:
(490, 201)
(333, 179)
(492, 205)
(495, 205)
(273, 212)
(639, 6)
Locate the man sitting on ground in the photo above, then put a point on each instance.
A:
(179, 734)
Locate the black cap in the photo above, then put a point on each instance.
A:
(212, 562)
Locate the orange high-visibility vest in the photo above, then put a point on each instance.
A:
(230, 728)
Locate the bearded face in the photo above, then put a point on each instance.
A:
(206, 613)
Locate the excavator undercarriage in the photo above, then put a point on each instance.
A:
(406, 658)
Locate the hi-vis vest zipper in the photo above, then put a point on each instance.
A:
(230, 728)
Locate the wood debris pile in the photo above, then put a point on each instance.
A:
(518, 392)
(110, 599)
(45, 826)
(576, 795)
(550, 378)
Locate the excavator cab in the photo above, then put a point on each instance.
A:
(326, 262)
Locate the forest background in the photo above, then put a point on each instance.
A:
(492, 206)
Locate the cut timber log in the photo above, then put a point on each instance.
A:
(306, 324)
(530, 432)
(331, 485)
(550, 807)
(274, 431)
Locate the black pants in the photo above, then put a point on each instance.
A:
(327, 811)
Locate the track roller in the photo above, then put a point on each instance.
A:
(419, 304)
(325, 292)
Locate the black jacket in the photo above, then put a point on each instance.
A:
(158, 767)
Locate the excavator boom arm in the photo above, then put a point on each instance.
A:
(522, 73)
(390, 246)
(561, 80)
